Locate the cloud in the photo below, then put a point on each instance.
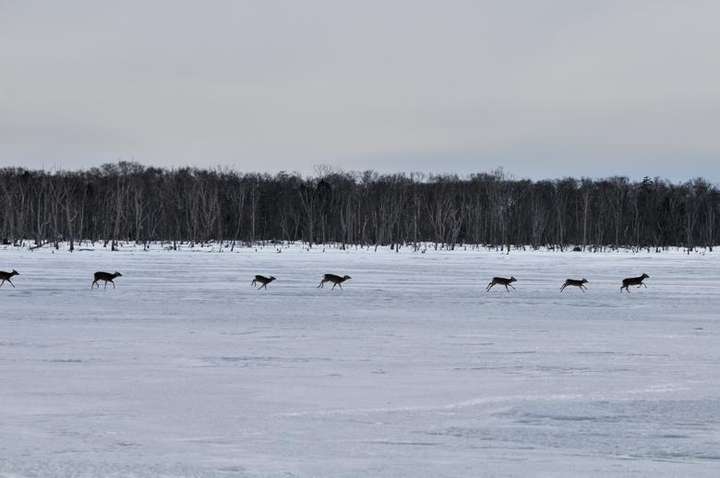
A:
(591, 87)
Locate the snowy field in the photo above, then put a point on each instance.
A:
(411, 371)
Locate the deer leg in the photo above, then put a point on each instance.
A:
(113, 283)
(334, 284)
(320, 285)
(264, 286)
(1, 283)
(512, 286)
(489, 287)
(563, 287)
(11, 283)
(506, 288)
(106, 284)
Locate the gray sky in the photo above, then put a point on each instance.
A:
(541, 88)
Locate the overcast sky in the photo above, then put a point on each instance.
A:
(541, 88)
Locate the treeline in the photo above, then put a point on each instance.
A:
(130, 202)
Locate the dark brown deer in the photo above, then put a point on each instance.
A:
(638, 281)
(335, 279)
(580, 283)
(262, 280)
(6, 276)
(501, 281)
(106, 277)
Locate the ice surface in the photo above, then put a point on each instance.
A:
(412, 370)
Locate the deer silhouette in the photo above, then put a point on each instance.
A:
(335, 279)
(106, 277)
(262, 280)
(580, 283)
(6, 276)
(501, 281)
(638, 281)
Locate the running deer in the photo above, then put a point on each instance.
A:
(6, 276)
(501, 281)
(106, 277)
(262, 280)
(336, 280)
(638, 281)
(575, 283)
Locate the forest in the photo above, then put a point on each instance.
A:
(130, 202)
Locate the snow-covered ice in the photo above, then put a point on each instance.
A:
(412, 370)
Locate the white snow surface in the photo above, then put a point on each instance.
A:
(412, 370)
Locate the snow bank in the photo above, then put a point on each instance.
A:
(411, 370)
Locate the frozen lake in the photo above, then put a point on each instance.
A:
(412, 370)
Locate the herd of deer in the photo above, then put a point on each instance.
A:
(579, 283)
(337, 280)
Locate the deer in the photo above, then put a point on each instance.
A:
(335, 279)
(580, 283)
(105, 276)
(6, 276)
(262, 280)
(638, 281)
(501, 281)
